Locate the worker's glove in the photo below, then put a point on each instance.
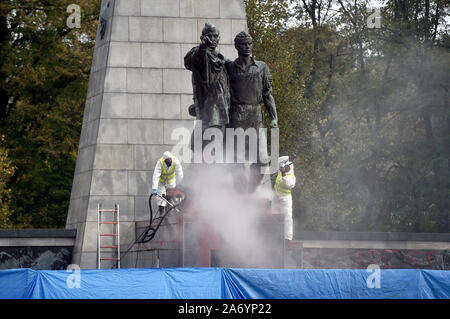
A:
(155, 192)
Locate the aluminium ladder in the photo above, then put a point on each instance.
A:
(114, 234)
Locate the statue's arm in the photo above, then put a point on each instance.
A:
(196, 59)
(268, 99)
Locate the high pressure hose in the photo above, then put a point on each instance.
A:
(149, 233)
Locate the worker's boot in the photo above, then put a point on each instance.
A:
(161, 210)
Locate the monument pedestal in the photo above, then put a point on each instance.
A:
(216, 227)
(187, 241)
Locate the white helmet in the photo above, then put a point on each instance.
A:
(167, 155)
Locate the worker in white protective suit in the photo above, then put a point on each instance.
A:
(168, 172)
(284, 183)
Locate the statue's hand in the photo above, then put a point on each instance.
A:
(274, 124)
(206, 42)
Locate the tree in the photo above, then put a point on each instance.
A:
(6, 171)
(274, 45)
(44, 74)
(372, 130)
(383, 169)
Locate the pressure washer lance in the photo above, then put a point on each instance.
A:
(170, 203)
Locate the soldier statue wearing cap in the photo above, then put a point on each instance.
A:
(251, 85)
(210, 80)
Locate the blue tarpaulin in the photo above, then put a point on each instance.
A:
(219, 283)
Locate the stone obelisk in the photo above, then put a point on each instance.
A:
(139, 92)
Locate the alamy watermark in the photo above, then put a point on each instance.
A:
(374, 20)
(374, 280)
(74, 19)
(214, 146)
(74, 279)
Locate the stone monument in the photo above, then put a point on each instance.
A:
(139, 92)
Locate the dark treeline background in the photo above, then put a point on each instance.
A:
(362, 100)
(44, 75)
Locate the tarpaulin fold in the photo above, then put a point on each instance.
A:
(17, 283)
(220, 283)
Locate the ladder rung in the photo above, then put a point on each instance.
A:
(109, 258)
(109, 235)
(115, 223)
(109, 246)
(108, 210)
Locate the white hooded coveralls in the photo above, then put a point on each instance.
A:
(283, 202)
(169, 183)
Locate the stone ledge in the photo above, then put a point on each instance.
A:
(376, 244)
(38, 233)
(375, 236)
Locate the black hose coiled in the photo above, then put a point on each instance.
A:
(150, 232)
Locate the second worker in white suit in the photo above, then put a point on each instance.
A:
(284, 183)
(168, 172)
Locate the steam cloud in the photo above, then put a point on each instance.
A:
(234, 218)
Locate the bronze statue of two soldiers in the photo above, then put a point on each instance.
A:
(229, 94)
